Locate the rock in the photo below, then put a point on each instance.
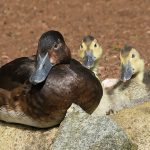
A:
(136, 123)
(80, 131)
(18, 137)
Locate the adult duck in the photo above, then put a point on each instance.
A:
(37, 91)
(132, 88)
(90, 53)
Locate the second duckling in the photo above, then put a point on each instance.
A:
(133, 88)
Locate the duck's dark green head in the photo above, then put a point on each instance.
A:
(52, 50)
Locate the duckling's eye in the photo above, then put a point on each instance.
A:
(95, 45)
(133, 55)
(81, 46)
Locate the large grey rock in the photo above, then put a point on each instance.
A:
(80, 131)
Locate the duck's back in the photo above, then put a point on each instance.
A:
(16, 72)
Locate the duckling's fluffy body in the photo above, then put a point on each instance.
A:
(122, 96)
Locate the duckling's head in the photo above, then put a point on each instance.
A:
(52, 50)
(90, 51)
(131, 63)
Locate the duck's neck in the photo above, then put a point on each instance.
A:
(140, 75)
(95, 67)
(67, 56)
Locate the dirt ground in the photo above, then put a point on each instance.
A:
(136, 126)
(113, 23)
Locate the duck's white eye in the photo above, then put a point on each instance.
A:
(133, 55)
(95, 45)
(56, 46)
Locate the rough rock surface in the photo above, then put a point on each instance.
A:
(80, 131)
(17, 137)
(136, 123)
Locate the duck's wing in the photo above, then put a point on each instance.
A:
(16, 72)
(87, 85)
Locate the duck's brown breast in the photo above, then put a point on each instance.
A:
(66, 84)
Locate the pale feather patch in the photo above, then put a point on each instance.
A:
(12, 116)
(109, 82)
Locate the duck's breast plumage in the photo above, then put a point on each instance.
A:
(65, 84)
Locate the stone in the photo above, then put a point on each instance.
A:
(81, 131)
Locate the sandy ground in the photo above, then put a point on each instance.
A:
(136, 122)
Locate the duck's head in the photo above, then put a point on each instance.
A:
(90, 51)
(52, 50)
(131, 63)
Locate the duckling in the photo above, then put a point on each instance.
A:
(90, 58)
(90, 52)
(38, 90)
(131, 89)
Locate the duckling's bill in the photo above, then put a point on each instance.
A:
(43, 66)
(126, 71)
(89, 59)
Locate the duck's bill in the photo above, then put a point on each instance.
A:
(42, 69)
(88, 60)
(126, 72)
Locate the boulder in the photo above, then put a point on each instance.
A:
(80, 131)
